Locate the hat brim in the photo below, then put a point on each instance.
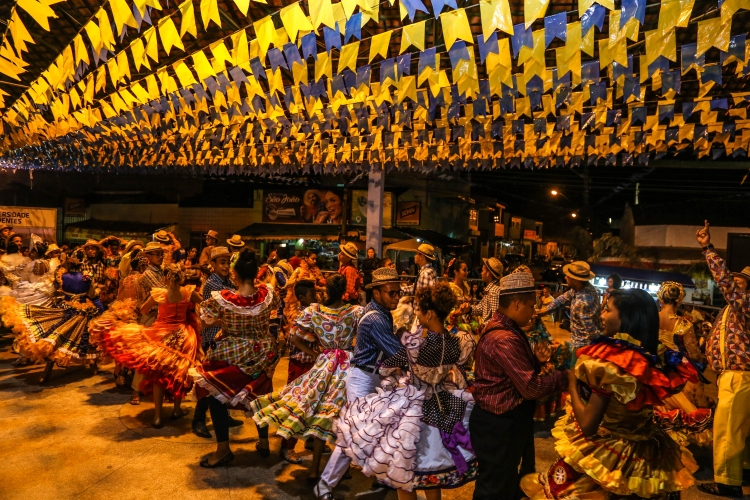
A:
(213, 258)
(165, 240)
(236, 245)
(426, 256)
(97, 245)
(347, 254)
(742, 275)
(372, 285)
(212, 236)
(525, 289)
(485, 262)
(566, 272)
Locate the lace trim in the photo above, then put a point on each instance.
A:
(244, 311)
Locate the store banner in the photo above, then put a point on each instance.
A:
(27, 221)
(75, 206)
(303, 206)
(359, 208)
(408, 213)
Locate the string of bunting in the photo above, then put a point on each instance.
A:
(266, 99)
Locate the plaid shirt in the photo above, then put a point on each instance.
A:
(585, 313)
(506, 370)
(735, 326)
(214, 283)
(96, 268)
(427, 277)
(152, 277)
(489, 303)
(353, 282)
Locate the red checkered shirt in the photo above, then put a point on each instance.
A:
(506, 370)
(353, 282)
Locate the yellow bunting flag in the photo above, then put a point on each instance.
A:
(348, 57)
(105, 30)
(80, 50)
(295, 20)
(379, 45)
(243, 5)
(183, 74)
(122, 14)
(202, 66)
(169, 36)
(92, 31)
(152, 49)
(7, 68)
(20, 34)
(39, 11)
(533, 10)
(321, 12)
(210, 12)
(187, 23)
(413, 34)
(265, 33)
(713, 33)
(495, 15)
(455, 27)
(660, 44)
(323, 66)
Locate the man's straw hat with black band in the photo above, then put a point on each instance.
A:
(745, 273)
(579, 270)
(350, 250)
(161, 236)
(494, 266)
(236, 241)
(517, 283)
(217, 252)
(427, 250)
(383, 276)
(153, 247)
(213, 234)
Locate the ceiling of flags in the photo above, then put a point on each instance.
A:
(269, 87)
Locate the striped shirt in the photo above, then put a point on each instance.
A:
(375, 336)
(506, 370)
(214, 283)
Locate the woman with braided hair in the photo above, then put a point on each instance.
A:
(166, 350)
(686, 416)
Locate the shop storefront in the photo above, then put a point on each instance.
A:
(94, 229)
(644, 279)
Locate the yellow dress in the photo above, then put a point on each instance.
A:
(686, 416)
(630, 454)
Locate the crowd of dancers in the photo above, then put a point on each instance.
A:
(417, 385)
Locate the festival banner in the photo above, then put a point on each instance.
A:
(359, 208)
(303, 206)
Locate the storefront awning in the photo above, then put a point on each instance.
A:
(642, 275)
(266, 231)
(97, 229)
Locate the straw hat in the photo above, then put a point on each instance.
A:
(745, 273)
(579, 270)
(161, 236)
(132, 244)
(93, 243)
(236, 241)
(153, 247)
(349, 249)
(286, 266)
(212, 234)
(52, 248)
(517, 283)
(427, 250)
(494, 266)
(217, 252)
(6, 226)
(383, 276)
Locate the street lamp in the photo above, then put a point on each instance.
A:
(574, 215)
(553, 192)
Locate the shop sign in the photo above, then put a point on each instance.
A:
(529, 234)
(25, 217)
(499, 230)
(75, 206)
(303, 206)
(474, 219)
(359, 208)
(409, 213)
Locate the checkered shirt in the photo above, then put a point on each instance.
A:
(489, 303)
(96, 268)
(214, 283)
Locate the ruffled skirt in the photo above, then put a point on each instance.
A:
(59, 333)
(230, 385)
(592, 467)
(384, 434)
(308, 405)
(163, 353)
(684, 422)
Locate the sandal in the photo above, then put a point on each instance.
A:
(722, 490)
(176, 416)
(264, 452)
(224, 461)
(290, 456)
(135, 400)
(120, 381)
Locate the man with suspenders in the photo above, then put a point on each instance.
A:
(375, 341)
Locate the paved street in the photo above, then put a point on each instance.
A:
(77, 437)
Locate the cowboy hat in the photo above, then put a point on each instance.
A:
(132, 244)
(93, 243)
(236, 241)
(213, 234)
(349, 249)
(161, 236)
(153, 247)
(383, 276)
(217, 252)
(579, 270)
(52, 248)
(494, 266)
(517, 283)
(6, 226)
(745, 273)
(427, 250)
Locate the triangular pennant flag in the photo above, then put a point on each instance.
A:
(187, 24)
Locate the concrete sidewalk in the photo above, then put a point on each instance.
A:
(78, 438)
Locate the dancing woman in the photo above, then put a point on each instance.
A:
(412, 434)
(308, 405)
(165, 351)
(239, 366)
(608, 441)
(307, 271)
